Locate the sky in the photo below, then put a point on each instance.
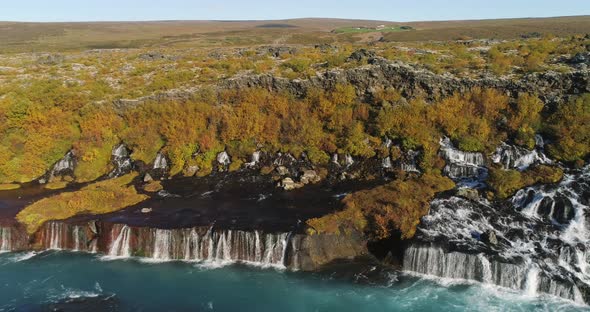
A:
(387, 10)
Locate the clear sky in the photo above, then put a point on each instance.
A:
(391, 10)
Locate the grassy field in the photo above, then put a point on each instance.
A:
(362, 30)
(40, 37)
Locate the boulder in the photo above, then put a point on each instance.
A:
(92, 225)
(191, 171)
(147, 178)
(282, 170)
(360, 55)
(468, 193)
(288, 184)
(320, 249)
(490, 237)
(310, 176)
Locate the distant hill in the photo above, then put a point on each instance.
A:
(20, 37)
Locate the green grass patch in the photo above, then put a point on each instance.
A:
(9, 186)
(505, 183)
(363, 30)
(97, 198)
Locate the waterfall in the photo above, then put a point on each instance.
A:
(162, 244)
(76, 235)
(386, 163)
(286, 242)
(335, 159)
(64, 165)
(219, 246)
(348, 160)
(515, 157)
(564, 204)
(541, 242)
(121, 161)
(409, 162)
(532, 281)
(434, 261)
(54, 235)
(121, 246)
(5, 239)
(461, 164)
(255, 159)
(200, 245)
(557, 288)
(486, 269)
(160, 162)
(223, 159)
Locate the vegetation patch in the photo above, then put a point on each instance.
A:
(9, 186)
(56, 185)
(97, 198)
(505, 183)
(570, 127)
(153, 186)
(379, 212)
(364, 29)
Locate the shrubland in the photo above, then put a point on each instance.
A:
(381, 211)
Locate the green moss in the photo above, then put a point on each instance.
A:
(10, 186)
(235, 165)
(317, 156)
(97, 198)
(505, 183)
(56, 185)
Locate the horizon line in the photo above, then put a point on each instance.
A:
(288, 19)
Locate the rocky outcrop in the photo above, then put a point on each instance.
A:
(409, 80)
(121, 160)
(314, 251)
(64, 168)
(552, 87)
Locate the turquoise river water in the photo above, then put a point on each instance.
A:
(82, 282)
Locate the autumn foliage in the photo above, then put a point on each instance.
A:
(381, 211)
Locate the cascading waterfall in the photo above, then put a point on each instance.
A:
(532, 281)
(461, 164)
(76, 235)
(5, 239)
(160, 162)
(486, 269)
(121, 246)
(162, 244)
(538, 246)
(432, 260)
(63, 166)
(54, 234)
(198, 244)
(515, 157)
(121, 161)
(409, 161)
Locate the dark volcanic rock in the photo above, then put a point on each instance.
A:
(315, 251)
(552, 87)
(362, 54)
